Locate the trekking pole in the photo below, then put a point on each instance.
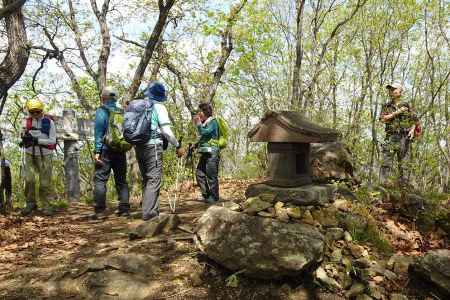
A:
(173, 200)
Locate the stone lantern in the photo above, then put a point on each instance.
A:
(289, 135)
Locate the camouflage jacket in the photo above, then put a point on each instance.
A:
(400, 123)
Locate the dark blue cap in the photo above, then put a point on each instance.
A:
(156, 91)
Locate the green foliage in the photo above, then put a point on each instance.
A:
(370, 234)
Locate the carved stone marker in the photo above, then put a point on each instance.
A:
(71, 130)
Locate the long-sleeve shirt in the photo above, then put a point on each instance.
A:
(161, 125)
(43, 138)
(208, 130)
(101, 124)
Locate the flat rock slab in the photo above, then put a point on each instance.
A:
(303, 195)
(163, 223)
(263, 247)
(434, 268)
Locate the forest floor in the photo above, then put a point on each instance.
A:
(37, 251)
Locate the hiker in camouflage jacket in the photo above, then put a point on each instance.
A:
(402, 125)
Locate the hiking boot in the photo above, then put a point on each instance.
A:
(210, 200)
(28, 210)
(98, 216)
(125, 214)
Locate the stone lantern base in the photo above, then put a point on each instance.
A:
(313, 194)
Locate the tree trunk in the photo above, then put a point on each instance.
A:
(296, 100)
(16, 59)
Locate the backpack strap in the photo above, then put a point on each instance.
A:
(45, 125)
(29, 123)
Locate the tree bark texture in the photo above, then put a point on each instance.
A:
(296, 79)
(16, 59)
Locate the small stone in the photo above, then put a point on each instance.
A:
(400, 263)
(357, 250)
(265, 214)
(363, 262)
(196, 279)
(281, 212)
(356, 289)
(342, 205)
(330, 283)
(347, 264)
(267, 197)
(396, 296)
(336, 255)
(308, 218)
(378, 279)
(254, 205)
(334, 234)
(235, 207)
(326, 216)
(390, 275)
(299, 293)
(375, 291)
(328, 296)
(347, 236)
(294, 212)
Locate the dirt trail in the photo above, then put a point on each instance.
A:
(37, 250)
(57, 257)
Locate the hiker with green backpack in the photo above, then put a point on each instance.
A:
(110, 153)
(213, 133)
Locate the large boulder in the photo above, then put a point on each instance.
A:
(263, 247)
(434, 268)
(331, 161)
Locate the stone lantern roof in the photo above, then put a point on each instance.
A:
(290, 127)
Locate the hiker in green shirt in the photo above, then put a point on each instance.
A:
(208, 165)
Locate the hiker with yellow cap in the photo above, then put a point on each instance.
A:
(39, 142)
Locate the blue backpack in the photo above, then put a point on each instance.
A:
(137, 121)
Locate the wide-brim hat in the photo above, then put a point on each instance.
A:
(156, 91)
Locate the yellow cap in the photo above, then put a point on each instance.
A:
(35, 104)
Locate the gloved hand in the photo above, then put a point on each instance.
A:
(28, 140)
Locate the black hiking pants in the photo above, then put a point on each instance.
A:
(208, 176)
(116, 161)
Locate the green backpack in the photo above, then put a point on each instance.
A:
(114, 133)
(224, 132)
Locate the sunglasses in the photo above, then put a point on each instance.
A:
(35, 112)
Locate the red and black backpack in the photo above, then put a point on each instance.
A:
(45, 128)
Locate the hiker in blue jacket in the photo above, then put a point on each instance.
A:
(106, 159)
(208, 166)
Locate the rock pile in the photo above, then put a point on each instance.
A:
(303, 233)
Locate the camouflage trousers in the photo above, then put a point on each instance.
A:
(38, 166)
(395, 147)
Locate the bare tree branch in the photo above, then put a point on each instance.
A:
(183, 86)
(125, 40)
(106, 43)
(74, 26)
(73, 79)
(149, 48)
(227, 47)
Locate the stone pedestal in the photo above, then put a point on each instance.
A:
(313, 194)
